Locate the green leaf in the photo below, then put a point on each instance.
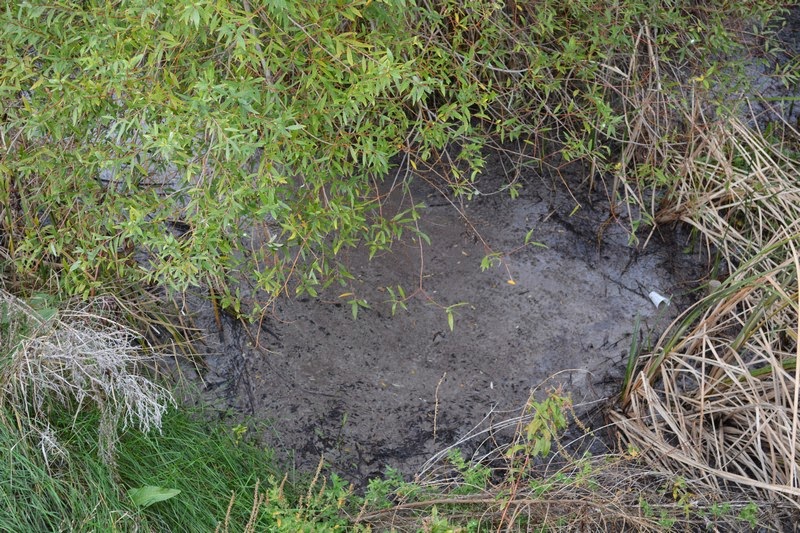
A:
(44, 304)
(46, 313)
(528, 239)
(148, 495)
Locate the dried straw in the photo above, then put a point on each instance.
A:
(717, 399)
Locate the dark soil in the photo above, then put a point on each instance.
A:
(391, 390)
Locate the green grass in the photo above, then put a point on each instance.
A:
(70, 464)
(204, 464)
(81, 493)
(92, 443)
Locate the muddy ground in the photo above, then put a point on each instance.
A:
(391, 390)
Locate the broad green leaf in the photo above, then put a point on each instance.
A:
(46, 313)
(148, 495)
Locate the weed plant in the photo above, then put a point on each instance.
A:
(72, 360)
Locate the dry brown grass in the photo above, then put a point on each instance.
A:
(718, 398)
(737, 188)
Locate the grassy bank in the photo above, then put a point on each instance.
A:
(80, 492)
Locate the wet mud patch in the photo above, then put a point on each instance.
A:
(390, 390)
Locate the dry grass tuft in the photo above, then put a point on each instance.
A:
(718, 398)
(738, 188)
(79, 359)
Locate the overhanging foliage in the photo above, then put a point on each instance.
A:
(217, 143)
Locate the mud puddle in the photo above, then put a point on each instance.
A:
(391, 390)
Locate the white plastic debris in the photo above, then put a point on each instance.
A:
(657, 299)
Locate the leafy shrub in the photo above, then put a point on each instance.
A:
(242, 146)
